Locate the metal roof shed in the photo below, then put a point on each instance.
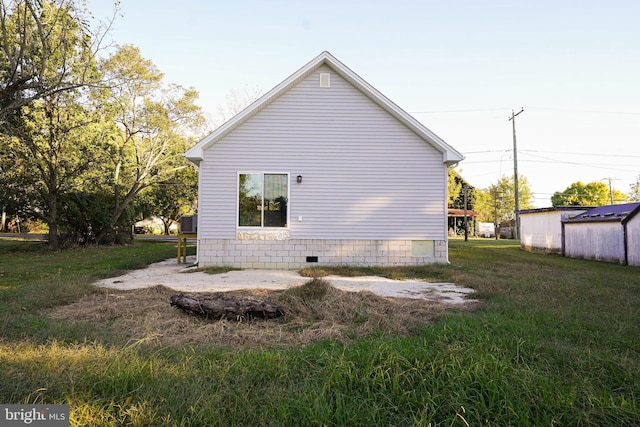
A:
(607, 233)
(541, 229)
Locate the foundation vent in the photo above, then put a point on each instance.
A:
(325, 80)
(312, 259)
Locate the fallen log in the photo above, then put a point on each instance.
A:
(219, 307)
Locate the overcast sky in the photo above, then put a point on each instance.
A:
(460, 67)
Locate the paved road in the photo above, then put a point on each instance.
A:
(162, 238)
(22, 236)
(25, 236)
(156, 238)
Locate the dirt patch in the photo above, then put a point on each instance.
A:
(313, 312)
(189, 280)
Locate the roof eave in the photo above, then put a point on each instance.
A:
(591, 220)
(633, 213)
(194, 154)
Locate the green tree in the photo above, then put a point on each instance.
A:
(47, 66)
(504, 193)
(86, 212)
(52, 145)
(12, 197)
(156, 123)
(46, 47)
(634, 191)
(483, 205)
(456, 192)
(592, 194)
(171, 199)
(454, 187)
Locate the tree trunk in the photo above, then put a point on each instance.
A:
(119, 209)
(52, 239)
(167, 224)
(52, 220)
(219, 307)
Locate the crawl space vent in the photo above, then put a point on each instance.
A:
(325, 80)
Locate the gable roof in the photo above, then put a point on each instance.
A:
(621, 213)
(450, 155)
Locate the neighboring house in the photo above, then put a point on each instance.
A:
(507, 229)
(541, 229)
(456, 221)
(322, 169)
(606, 233)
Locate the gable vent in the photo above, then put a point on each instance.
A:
(325, 80)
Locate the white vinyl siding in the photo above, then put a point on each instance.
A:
(364, 174)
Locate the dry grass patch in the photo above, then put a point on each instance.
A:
(314, 312)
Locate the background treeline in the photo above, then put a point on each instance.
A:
(497, 202)
(91, 136)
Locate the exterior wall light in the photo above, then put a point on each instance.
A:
(299, 179)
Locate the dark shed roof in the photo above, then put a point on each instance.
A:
(555, 209)
(621, 212)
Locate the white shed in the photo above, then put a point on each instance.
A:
(541, 229)
(606, 233)
(322, 169)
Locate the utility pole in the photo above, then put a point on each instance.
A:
(495, 213)
(466, 220)
(610, 188)
(515, 171)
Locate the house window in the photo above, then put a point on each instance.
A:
(263, 199)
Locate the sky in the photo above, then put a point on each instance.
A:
(460, 67)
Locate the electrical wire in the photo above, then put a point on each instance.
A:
(579, 154)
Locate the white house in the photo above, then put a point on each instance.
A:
(541, 229)
(606, 233)
(322, 169)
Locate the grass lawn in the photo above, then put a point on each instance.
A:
(556, 342)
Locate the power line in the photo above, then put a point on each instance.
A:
(609, 167)
(486, 151)
(481, 161)
(578, 154)
(591, 165)
(553, 152)
(552, 160)
(584, 111)
(476, 110)
(566, 110)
